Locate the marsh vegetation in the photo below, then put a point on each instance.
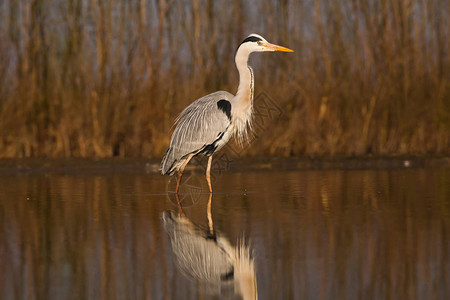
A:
(92, 78)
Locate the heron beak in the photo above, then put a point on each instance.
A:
(273, 47)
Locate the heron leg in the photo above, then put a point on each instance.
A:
(180, 171)
(209, 215)
(208, 174)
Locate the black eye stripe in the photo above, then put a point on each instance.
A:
(251, 39)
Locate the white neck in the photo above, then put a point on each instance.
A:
(245, 90)
(242, 106)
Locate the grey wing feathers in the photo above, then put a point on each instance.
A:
(198, 125)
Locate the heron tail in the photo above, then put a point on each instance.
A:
(167, 163)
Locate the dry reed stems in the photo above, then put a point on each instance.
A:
(107, 78)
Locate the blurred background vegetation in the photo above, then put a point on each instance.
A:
(92, 78)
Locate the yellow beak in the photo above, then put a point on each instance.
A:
(274, 47)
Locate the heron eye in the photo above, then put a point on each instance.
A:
(259, 43)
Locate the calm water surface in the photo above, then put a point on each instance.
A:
(323, 234)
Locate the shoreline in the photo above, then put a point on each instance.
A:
(240, 164)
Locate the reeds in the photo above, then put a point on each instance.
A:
(107, 78)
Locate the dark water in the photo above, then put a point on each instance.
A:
(324, 234)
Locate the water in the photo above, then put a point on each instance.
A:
(314, 234)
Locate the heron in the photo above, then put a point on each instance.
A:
(208, 123)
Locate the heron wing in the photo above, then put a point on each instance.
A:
(198, 126)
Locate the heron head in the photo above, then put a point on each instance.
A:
(256, 43)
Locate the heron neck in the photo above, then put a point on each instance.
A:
(244, 93)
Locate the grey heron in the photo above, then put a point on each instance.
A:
(207, 124)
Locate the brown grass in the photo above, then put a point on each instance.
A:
(107, 78)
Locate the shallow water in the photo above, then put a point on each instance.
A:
(314, 234)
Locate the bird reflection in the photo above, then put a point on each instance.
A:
(207, 256)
